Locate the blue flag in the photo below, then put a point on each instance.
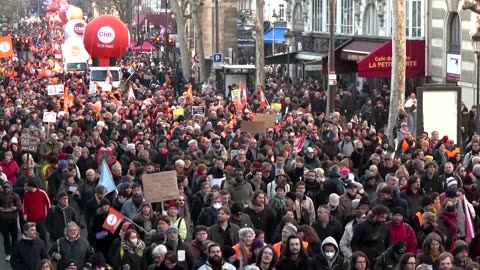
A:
(106, 178)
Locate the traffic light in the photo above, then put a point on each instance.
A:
(170, 42)
(158, 40)
(140, 39)
(18, 44)
(26, 43)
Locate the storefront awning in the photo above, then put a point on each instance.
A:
(279, 35)
(358, 49)
(293, 58)
(378, 63)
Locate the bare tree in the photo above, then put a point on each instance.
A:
(182, 10)
(199, 40)
(259, 48)
(399, 57)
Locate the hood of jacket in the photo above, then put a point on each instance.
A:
(10, 185)
(330, 241)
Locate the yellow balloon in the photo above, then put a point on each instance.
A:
(74, 13)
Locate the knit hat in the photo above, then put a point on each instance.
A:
(171, 229)
(399, 247)
(236, 208)
(468, 180)
(257, 243)
(364, 201)
(291, 195)
(398, 210)
(451, 181)
(63, 164)
(369, 174)
(172, 203)
(459, 246)
(98, 260)
(292, 229)
(428, 158)
(104, 202)
(344, 172)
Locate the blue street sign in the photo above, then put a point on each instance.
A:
(39, 44)
(217, 58)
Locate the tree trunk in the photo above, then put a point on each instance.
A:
(259, 46)
(182, 38)
(199, 41)
(397, 92)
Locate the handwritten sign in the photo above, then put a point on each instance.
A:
(198, 110)
(55, 89)
(49, 117)
(107, 87)
(29, 143)
(160, 187)
(92, 90)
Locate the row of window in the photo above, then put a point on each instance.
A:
(345, 17)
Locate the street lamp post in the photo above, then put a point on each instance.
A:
(274, 20)
(288, 42)
(476, 50)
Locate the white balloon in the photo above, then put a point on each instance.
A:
(75, 28)
(73, 49)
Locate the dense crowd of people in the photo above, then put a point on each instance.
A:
(314, 192)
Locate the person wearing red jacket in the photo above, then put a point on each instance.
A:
(401, 231)
(35, 207)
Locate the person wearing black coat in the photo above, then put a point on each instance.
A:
(295, 256)
(179, 248)
(333, 183)
(59, 216)
(372, 236)
(91, 208)
(326, 225)
(130, 252)
(102, 238)
(391, 257)
(389, 197)
(330, 258)
(28, 251)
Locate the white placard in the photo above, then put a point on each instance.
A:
(92, 90)
(217, 181)
(107, 87)
(49, 117)
(55, 89)
(198, 110)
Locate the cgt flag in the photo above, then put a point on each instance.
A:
(113, 220)
(6, 47)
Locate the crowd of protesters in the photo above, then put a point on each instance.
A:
(345, 197)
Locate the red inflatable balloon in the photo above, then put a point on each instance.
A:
(106, 36)
(62, 13)
(52, 7)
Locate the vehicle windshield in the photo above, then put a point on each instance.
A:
(77, 66)
(100, 75)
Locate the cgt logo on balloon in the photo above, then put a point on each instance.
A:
(106, 35)
(79, 28)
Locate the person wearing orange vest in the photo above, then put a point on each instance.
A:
(243, 250)
(288, 230)
(450, 148)
(416, 220)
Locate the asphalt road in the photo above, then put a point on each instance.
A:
(3, 264)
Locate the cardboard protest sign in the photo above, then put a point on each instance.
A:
(49, 117)
(160, 187)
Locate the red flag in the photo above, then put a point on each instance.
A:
(298, 143)
(263, 100)
(6, 47)
(113, 220)
(243, 93)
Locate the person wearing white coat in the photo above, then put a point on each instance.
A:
(358, 217)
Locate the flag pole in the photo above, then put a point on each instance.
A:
(133, 222)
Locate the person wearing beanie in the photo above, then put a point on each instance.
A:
(461, 254)
(358, 217)
(102, 238)
(292, 204)
(401, 231)
(56, 178)
(178, 246)
(59, 216)
(416, 219)
(99, 262)
(288, 230)
(238, 217)
(351, 194)
(413, 195)
(130, 253)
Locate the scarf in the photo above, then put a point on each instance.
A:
(138, 249)
(173, 244)
(256, 208)
(434, 255)
(450, 219)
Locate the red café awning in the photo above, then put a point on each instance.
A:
(378, 63)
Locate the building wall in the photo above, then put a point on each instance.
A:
(439, 33)
(227, 29)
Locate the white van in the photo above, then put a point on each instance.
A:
(99, 74)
